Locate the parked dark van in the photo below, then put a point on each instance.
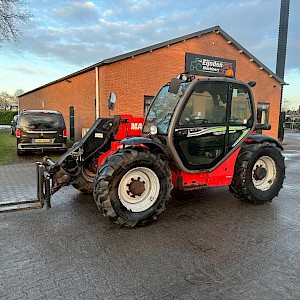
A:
(41, 130)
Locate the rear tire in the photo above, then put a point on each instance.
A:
(259, 173)
(132, 187)
(20, 153)
(84, 181)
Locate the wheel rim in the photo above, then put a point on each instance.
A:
(264, 173)
(88, 174)
(89, 171)
(138, 189)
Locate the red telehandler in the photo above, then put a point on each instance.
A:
(198, 132)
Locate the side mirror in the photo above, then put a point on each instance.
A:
(263, 126)
(174, 86)
(112, 100)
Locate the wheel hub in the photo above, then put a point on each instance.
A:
(135, 187)
(264, 173)
(138, 189)
(89, 170)
(259, 173)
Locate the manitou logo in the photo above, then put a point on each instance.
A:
(136, 126)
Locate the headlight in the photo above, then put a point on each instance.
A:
(184, 77)
(153, 130)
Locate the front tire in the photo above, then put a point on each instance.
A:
(132, 187)
(20, 153)
(259, 173)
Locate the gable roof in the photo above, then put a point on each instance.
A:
(216, 29)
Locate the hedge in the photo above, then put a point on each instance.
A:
(6, 116)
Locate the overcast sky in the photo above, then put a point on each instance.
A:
(65, 36)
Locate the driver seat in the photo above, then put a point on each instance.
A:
(217, 114)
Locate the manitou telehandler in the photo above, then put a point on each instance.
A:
(198, 132)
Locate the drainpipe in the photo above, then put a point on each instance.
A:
(97, 92)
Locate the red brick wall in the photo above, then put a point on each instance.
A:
(79, 92)
(144, 74)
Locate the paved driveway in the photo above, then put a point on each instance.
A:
(207, 245)
(17, 182)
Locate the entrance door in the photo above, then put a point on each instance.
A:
(214, 119)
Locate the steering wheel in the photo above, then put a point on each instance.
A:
(199, 121)
(194, 120)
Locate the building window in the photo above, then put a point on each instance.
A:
(147, 103)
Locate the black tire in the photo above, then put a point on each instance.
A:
(147, 184)
(259, 173)
(83, 185)
(84, 181)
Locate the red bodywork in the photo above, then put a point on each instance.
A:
(129, 126)
(220, 176)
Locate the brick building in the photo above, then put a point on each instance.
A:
(135, 77)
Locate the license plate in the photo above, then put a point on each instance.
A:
(42, 140)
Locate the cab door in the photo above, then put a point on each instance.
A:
(214, 118)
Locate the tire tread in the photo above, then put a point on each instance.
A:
(105, 181)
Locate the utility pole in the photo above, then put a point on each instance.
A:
(281, 55)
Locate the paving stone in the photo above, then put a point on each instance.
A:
(207, 245)
(18, 182)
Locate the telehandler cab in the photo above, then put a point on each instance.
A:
(198, 132)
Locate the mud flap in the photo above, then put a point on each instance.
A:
(43, 185)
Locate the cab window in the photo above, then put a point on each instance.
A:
(206, 105)
(240, 105)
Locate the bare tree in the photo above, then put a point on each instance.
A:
(13, 14)
(4, 100)
(18, 93)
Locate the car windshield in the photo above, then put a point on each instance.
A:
(41, 121)
(162, 109)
